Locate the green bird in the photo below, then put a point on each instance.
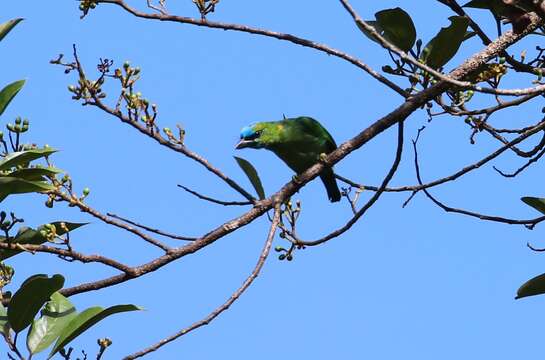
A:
(299, 142)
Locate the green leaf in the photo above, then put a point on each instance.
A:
(24, 157)
(8, 93)
(4, 324)
(58, 312)
(30, 298)
(398, 27)
(535, 202)
(534, 286)
(84, 321)
(374, 24)
(10, 186)
(252, 175)
(395, 25)
(6, 27)
(34, 174)
(28, 236)
(446, 43)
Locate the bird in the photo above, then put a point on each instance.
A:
(300, 142)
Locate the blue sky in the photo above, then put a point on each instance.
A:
(413, 283)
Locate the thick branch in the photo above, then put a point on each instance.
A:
(260, 207)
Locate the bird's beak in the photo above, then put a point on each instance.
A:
(244, 144)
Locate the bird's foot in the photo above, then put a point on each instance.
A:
(296, 179)
(322, 157)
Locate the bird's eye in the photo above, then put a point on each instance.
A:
(254, 135)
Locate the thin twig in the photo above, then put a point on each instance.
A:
(215, 201)
(153, 230)
(529, 132)
(72, 200)
(527, 222)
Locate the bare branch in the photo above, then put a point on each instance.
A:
(522, 168)
(74, 201)
(215, 201)
(261, 207)
(68, 254)
(371, 201)
(527, 222)
(155, 231)
(267, 33)
(529, 132)
(234, 297)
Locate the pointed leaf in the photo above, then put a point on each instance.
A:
(8, 93)
(58, 312)
(446, 43)
(398, 27)
(252, 175)
(534, 286)
(30, 298)
(535, 202)
(24, 157)
(84, 321)
(34, 174)
(28, 236)
(6, 27)
(10, 186)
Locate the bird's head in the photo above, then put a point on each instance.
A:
(255, 136)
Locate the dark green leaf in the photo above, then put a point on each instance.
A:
(535, 202)
(58, 312)
(534, 286)
(497, 7)
(28, 236)
(30, 298)
(398, 27)
(446, 43)
(374, 24)
(395, 25)
(34, 174)
(9, 186)
(6, 27)
(8, 93)
(84, 321)
(252, 175)
(24, 157)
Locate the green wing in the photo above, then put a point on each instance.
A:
(312, 127)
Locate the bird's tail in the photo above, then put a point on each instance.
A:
(328, 178)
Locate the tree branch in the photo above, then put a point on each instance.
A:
(267, 33)
(234, 297)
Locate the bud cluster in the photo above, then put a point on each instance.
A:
(86, 5)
